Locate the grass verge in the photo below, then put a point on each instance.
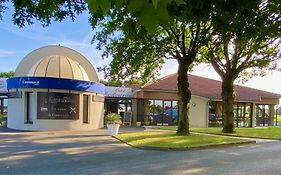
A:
(261, 132)
(169, 140)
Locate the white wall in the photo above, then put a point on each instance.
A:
(199, 110)
(17, 115)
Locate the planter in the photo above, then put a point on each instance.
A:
(138, 124)
(113, 129)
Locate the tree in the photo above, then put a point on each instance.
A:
(7, 74)
(139, 50)
(115, 83)
(246, 35)
(44, 11)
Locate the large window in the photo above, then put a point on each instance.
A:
(30, 103)
(242, 114)
(263, 116)
(163, 112)
(85, 108)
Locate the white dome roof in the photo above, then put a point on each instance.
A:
(59, 67)
(58, 62)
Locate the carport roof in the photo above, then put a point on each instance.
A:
(209, 88)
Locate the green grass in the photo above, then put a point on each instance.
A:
(266, 132)
(171, 140)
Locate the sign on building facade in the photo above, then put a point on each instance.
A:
(118, 92)
(52, 105)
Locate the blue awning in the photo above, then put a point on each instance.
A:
(55, 83)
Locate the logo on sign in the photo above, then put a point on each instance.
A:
(30, 82)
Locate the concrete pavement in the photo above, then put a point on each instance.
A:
(94, 153)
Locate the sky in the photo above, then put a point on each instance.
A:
(17, 42)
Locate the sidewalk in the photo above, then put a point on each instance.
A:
(102, 131)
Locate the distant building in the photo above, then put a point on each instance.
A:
(157, 103)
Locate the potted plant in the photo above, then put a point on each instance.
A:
(113, 121)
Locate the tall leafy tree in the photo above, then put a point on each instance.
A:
(246, 35)
(140, 36)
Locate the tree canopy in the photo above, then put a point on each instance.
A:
(139, 49)
(7, 74)
(44, 11)
(246, 41)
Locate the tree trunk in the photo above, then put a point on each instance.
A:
(227, 104)
(184, 98)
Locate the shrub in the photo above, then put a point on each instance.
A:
(112, 118)
(3, 117)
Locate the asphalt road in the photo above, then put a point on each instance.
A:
(94, 153)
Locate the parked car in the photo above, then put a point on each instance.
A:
(214, 118)
(173, 111)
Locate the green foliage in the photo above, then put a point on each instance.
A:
(266, 132)
(3, 117)
(142, 34)
(7, 74)
(245, 43)
(112, 118)
(150, 13)
(44, 11)
(156, 109)
(246, 36)
(115, 83)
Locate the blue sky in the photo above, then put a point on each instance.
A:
(17, 42)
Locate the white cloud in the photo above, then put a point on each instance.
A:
(170, 67)
(33, 33)
(6, 53)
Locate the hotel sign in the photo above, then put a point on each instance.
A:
(118, 92)
(53, 105)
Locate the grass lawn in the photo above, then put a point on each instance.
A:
(171, 140)
(262, 132)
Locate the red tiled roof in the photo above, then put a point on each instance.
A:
(209, 88)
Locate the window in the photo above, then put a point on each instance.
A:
(163, 112)
(30, 104)
(85, 108)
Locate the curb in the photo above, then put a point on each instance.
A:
(194, 148)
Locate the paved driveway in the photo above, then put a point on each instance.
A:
(96, 153)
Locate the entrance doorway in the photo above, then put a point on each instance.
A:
(119, 106)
